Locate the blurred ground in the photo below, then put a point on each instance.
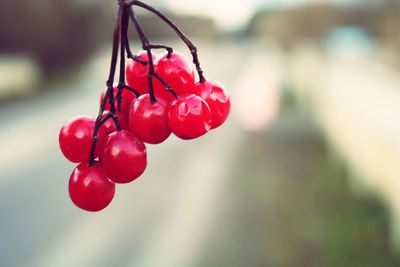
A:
(288, 203)
(275, 198)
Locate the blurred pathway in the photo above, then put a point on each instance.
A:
(288, 204)
(356, 101)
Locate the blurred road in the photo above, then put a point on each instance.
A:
(165, 213)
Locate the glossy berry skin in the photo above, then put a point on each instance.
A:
(189, 117)
(127, 98)
(124, 157)
(90, 189)
(217, 99)
(148, 121)
(75, 138)
(136, 73)
(123, 120)
(177, 72)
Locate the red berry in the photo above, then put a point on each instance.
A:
(136, 73)
(127, 98)
(75, 138)
(189, 117)
(148, 121)
(217, 99)
(123, 120)
(107, 128)
(124, 157)
(89, 188)
(177, 72)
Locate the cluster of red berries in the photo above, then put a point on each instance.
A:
(188, 111)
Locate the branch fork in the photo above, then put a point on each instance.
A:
(121, 46)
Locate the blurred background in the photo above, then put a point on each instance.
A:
(304, 173)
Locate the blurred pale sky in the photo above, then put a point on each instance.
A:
(231, 14)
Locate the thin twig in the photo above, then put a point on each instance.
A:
(109, 97)
(145, 46)
(184, 38)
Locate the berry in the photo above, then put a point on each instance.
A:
(217, 99)
(76, 135)
(148, 121)
(123, 120)
(189, 117)
(75, 138)
(127, 98)
(89, 188)
(124, 157)
(136, 73)
(177, 72)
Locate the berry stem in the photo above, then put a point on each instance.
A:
(129, 51)
(132, 90)
(114, 59)
(120, 40)
(145, 46)
(166, 85)
(124, 35)
(127, 46)
(169, 49)
(184, 38)
(109, 97)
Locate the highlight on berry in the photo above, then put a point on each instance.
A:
(156, 95)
